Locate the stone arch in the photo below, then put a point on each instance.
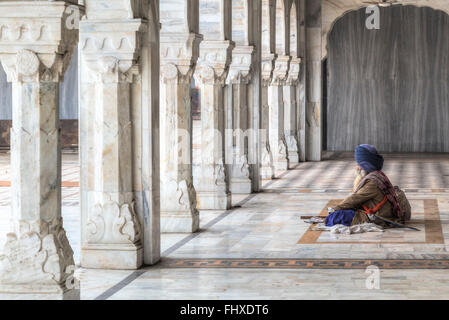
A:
(332, 12)
(293, 36)
(280, 28)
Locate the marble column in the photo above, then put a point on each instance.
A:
(146, 136)
(178, 195)
(278, 144)
(213, 66)
(110, 48)
(238, 79)
(301, 87)
(267, 170)
(290, 110)
(213, 190)
(35, 49)
(313, 130)
(244, 84)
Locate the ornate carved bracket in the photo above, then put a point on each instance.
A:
(280, 71)
(293, 72)
(179, 53)
(37, 46)
(111, 48)
(240, 68)
(267, 68)
(213, 63)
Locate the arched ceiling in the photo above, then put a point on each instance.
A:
(334, 9)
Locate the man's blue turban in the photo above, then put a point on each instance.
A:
(368, 158)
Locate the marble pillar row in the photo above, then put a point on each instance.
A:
(267, 170)
(290, 110)
(179, 53)
(35, 49)
(110, 46)
(278, 144)
(213, 66)
(238, 80)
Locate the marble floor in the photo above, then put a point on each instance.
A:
(262, 249)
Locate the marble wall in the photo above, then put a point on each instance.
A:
(388, 87)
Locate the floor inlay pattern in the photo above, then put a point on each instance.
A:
(305, 263)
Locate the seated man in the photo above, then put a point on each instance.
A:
(373, 193)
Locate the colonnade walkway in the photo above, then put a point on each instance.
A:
(261, 248)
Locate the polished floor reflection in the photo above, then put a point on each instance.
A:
(268, 225)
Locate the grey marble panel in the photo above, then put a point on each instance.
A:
(389, 87)
(5, 96)
(68, 91)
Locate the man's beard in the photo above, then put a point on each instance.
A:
(360, 174)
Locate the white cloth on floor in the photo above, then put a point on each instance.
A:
(341, 229)
(358, 228)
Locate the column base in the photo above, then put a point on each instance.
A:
(37, 292)
(281, 165)
(293, 159)
(267, 173)
(213, 201)
(112, 256)
(179, 222)
(240, 186)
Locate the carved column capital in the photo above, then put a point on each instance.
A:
(280, 71)
(37, 46)
(111, 56)
(179, 53)
(109, 69)
(213, 63)
(29, 66)
(240, 68)
(293, 72)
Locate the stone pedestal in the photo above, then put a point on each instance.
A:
(267, 170)
(178, 195)
(111, 238)
(238, 79)
(37, 259)
(278, 144)
(290, 111)
(213, 191)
